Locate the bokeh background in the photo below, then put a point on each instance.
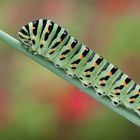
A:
(35, 103)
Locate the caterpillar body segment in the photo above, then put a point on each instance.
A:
(120, 88)
(35, 34)
(77, 61)
(54, 43)
(110, 81)
(47, 37)
(91, 69)
(132, 97)
(45, 33)
(105, 76)
(66, 52)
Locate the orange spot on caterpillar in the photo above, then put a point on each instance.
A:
(131, 100)
(101, 82)
(87, 73)
(124, 83)
(138, 93)
(116, 91)
(95, 64)
(62, 56)
(33, 28)
(73, 65)
(110, 73)
(138, 108)
(70, 47)
(86, 48)
(51, 50)
(81, 57)
(59, 40)
(48, 31)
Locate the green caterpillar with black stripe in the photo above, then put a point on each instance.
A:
(45, 38)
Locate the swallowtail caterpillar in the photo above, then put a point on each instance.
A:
(53, 42)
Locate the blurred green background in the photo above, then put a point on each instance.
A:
(35, 103)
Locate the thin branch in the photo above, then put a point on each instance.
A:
(120, 110)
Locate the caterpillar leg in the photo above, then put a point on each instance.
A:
(120, 89)
(99, 92)
(57, 65)
(86, 85)
(84, 81)
(115, 101)
(71, 75)
(132, 97)
(136, 107)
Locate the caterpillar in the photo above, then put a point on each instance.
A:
(54, 43)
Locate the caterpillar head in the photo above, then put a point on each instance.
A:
(24, 37)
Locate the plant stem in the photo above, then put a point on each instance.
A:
(104, 100)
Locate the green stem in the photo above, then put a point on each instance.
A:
(120, 110)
